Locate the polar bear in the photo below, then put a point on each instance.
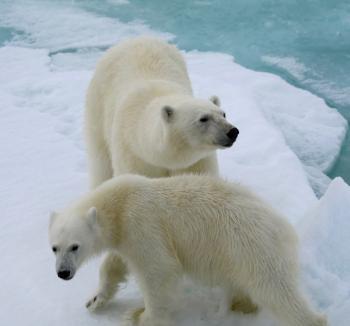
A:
(218, 233)
(141, 116)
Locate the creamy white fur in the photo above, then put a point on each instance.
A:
(141, 117)
(126, 129)
(216, 232)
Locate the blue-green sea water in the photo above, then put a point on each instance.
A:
(305, 42)
(6, 34)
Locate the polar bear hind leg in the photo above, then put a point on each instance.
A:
(283, 299)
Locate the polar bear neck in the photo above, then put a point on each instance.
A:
(111, 200)
(154, 144)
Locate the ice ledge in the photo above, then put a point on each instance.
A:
(325, 255)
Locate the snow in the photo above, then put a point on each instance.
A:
(43, 167)
(56, 27)
(325, 234)
(261, 157)
(312, 130)
(289, 64)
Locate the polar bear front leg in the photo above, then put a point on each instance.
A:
(113, 271)
(99, 162)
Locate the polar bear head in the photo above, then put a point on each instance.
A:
(193, 129)
(71, 236)
(201, 124)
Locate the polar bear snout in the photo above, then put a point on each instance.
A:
(232, 136)
(66, 266)
(65, 274)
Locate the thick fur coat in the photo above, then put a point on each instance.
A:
(218, 233)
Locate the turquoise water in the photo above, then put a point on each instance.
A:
(305, 42)
(6, 34)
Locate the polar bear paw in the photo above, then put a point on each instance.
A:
(138, 317)
(96, 302)
(132, 317)
(244, 305)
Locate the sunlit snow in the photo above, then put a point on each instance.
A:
(288, 137)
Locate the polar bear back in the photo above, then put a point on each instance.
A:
(138, 61)
(124, 72)
(202, 221)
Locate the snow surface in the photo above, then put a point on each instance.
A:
(289, 64)
(325, 235)
(43, 167)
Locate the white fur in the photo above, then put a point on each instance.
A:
(128, 131)
(216, 232)
(141, 118)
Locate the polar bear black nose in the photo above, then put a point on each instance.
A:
(232, 134)
(65, 274)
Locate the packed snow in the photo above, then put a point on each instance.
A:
(287, 138)
(289, 64)
(325, 234)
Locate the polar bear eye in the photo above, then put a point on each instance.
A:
(224, 114)
(204, 119)
(75, 247)
(54, 249)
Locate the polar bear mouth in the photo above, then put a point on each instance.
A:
(228, 144)
(223, 144)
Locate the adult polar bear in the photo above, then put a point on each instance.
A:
(142, 118)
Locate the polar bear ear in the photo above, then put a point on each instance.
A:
(53, 216)
(168, 113)
(214, 99)
(92, 217)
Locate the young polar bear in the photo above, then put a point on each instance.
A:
(216, 232)
(142, 118)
